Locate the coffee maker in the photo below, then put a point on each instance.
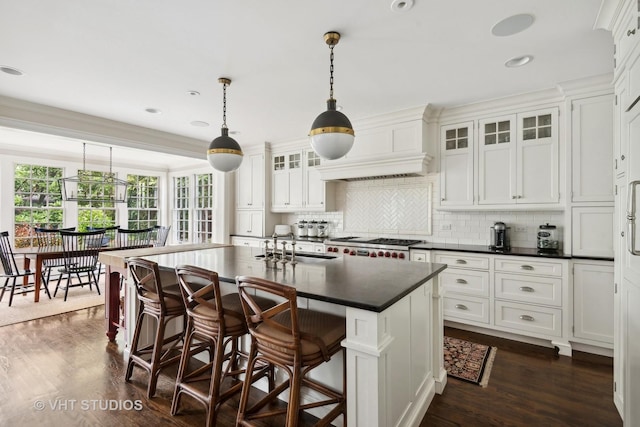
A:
(499, 237)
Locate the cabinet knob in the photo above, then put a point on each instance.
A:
(622, 157)
(527, 318)
(250, 204)
(461, 307)
(513, 197)
(622, 234)
(442, 200)
(526, 267)
(631, 32)
(519, 197)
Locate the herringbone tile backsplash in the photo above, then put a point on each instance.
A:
(402, 207)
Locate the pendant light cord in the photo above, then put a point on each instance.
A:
(331, 73)
(224, 105)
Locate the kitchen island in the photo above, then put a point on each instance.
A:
(393, 311)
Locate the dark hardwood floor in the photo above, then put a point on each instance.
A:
(61, 371)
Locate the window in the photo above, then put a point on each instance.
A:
(95, 213)
(181, 208)
(193, 208)
(37, 201)
(142, 201)
(204, 208)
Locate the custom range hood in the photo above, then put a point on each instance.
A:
(376, 167)
(399, 144)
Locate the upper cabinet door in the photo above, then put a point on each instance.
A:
(591, 144)
(537, 157)
(250, 183)
(314, 186)
(456, 164)
(497, 160)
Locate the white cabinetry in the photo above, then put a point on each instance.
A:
(250, 223)
(466, 285)
(252, 214)
(512, 159)
(245, 241)
(592, 142)
(593, 300)
(296, 182)
(528, 296)
(250, 186)
(518, 158)
(419, 255)
(592, 231)
(287, 181)
(456, 164)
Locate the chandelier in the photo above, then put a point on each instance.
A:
(93, 186)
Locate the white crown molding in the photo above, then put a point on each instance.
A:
(23, 115)
(589, 85)
(609, 10)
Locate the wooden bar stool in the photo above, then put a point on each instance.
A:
(215, 323)
(295, 340)
(162, 306)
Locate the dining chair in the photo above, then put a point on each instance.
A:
(129, 239)
(49, 238)
(295, 340)
(161, 235)
(215, 324)
(11, 271)
(80, 253)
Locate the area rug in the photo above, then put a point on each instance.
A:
(468, 361)
(23, 308)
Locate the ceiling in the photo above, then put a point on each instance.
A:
(115, 59)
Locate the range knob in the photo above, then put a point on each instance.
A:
(352, 253)
(372, 254)
(329, 249)
(401, 255)
(380, 253)
(394, 255)
(387, 254)
(345, 250)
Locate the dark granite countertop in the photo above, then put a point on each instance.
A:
(360, 282)
(481, 249)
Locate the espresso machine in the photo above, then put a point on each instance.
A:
(499, 237)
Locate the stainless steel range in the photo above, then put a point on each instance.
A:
(379, 247)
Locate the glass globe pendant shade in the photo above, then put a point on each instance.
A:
(224, 153)
(331, 133)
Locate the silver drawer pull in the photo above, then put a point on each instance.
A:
(526, 289)
(527, 318)
(461, 281)
(526, 267)
(461, 307)
(461, 261)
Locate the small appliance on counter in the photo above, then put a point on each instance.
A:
(302, 229)
(499, 237)
(282, 230)
(548, 238)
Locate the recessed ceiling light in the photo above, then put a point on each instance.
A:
(199, 123)
(193, 92)
(518, 61)
(512, 25)
(401, 5)
(153, 111)
(11, 70)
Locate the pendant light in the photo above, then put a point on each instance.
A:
(331, 132)
(224, 154)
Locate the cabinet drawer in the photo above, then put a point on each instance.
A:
(529, 318)
(463, 261)
(470, 282)
(530, 289)
(420, 256)
(460, 308)
(526, 266)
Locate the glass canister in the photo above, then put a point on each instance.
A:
(548, 237)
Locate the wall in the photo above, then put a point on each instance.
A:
(361, 211)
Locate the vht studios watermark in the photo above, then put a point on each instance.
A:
(87, 405)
